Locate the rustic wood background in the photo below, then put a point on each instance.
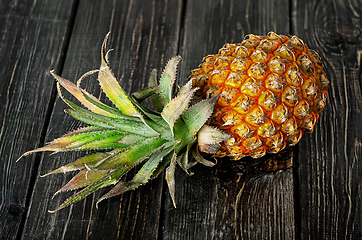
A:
(318, 198)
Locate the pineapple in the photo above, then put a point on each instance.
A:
(272, 88)
(255, 97)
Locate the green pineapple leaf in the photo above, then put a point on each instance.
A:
(106, 180)
(184, 158)
(131, 134)
(168, 78)
(170, 178)
(112, 89)
(142, 177)
(196, 116)
(185, 88)
(88, 161)
(76, 92)
(130, 126)
(145, 93)
(173, 110)
(111, 112)
(155, 99)
(134, 155)
(82, 179)
(199, 158)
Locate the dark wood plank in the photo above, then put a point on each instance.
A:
(265, 207)
(330, 170)
(242, 207)
(32, 34)
(144, 35)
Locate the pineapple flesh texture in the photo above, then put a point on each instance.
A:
(272, 88)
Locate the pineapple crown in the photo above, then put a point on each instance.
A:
(130, 134)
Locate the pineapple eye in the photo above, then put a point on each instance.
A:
(221, 62)
(251, 88)
(275, 82)
(279, 114)
(271, 35)
(256, 116)
(309, 91)
(229, 118)
(252, 143)
(219, 76)
(267, 101)
(251, 41)
(268, 45)
(242, 130)
(227, 49)
(302, 109)
(293, 76)
(267, 129)
(294, 138)
(275, 142)
(309, 122)
(240, 64)
(284, 38)
(319, 102)
(284, 52)
(290, 96)
(289, 127)
(321, 79)
(207, 66)
(276, 65)
(242, 104)
(251, 37)
(306, 65)
(315, 58)
(261, 151)
(209, 58)
(275, 37)
(258, 71)
(235, 79)
(241, 51)
(260, 56)
(296, 43)
(227, 96)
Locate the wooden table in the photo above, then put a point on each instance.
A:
(318, 198)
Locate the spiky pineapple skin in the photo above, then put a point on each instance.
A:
(272, 88)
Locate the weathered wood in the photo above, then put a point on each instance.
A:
(208, 207)
(31, 33)
(318, 199)
(330, 170)
(144, 35)
(235, 200)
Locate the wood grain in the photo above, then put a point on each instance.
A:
(319, 198)
(329, 161)
(207, 207)
(144, 35)
(31, 33)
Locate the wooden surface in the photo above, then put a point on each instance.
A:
(318, 198)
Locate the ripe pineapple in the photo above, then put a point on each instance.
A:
(257, 97)
(272, 88)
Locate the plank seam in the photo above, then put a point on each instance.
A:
(37, 161)
(291, 8)
(179, 49)
(296, 183)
